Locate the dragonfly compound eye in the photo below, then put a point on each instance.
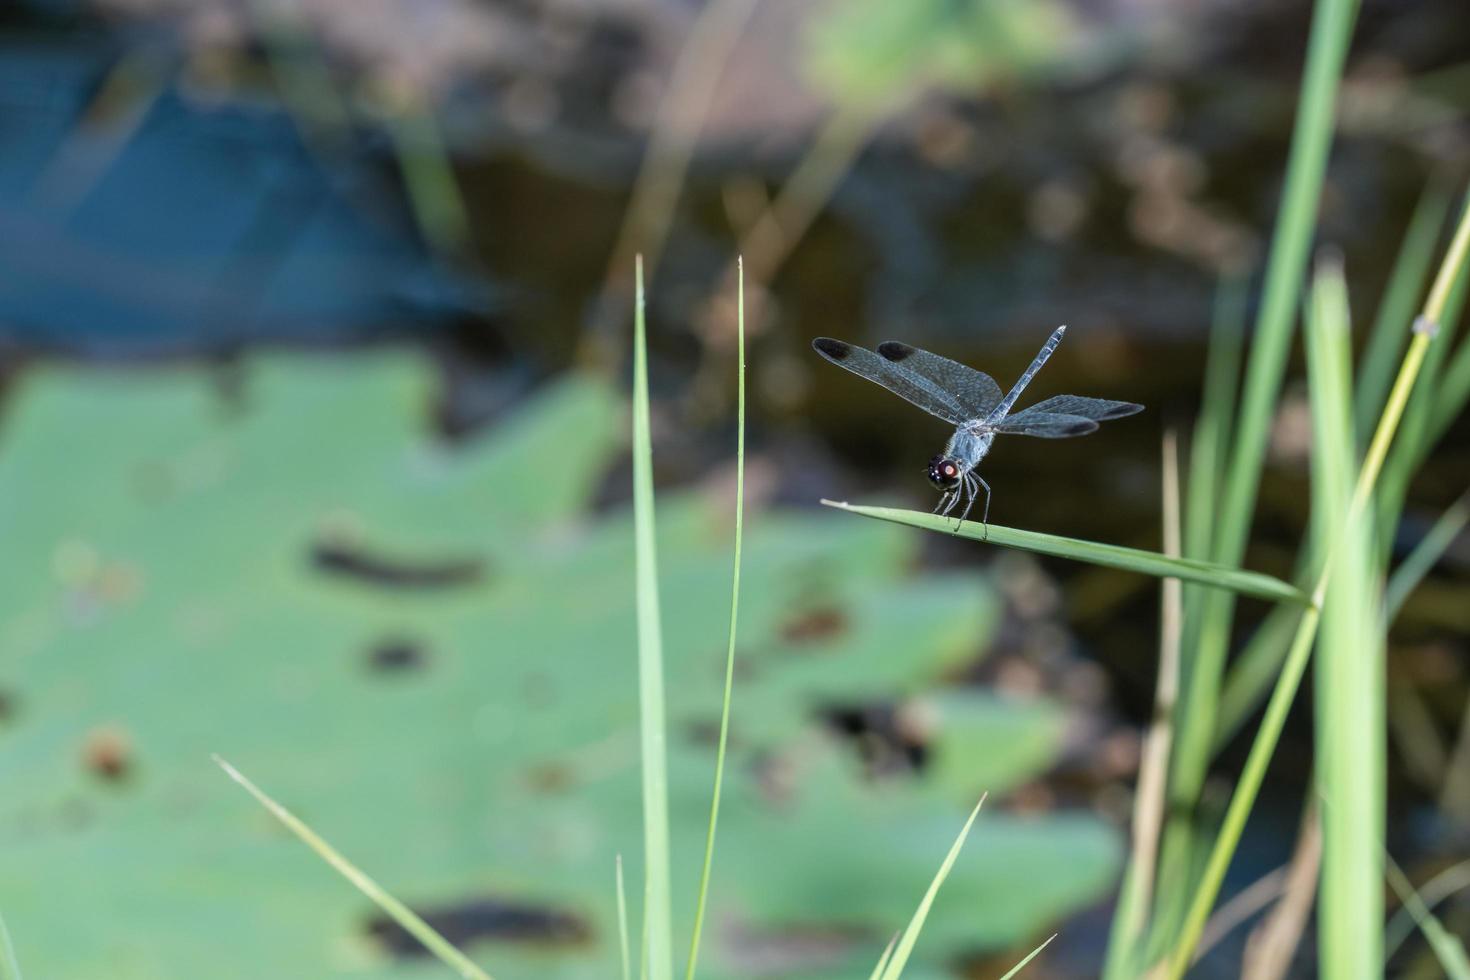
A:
(944, 473)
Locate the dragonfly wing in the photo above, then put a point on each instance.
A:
(906, 384)
(976, 391)
(1098, 409)
(1045, 425)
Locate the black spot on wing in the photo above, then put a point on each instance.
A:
(833, 349)
(892, 350)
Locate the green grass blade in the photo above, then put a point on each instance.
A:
(1297, 656)
(1400, 300)
(1452, 879)
(1029, 957)
(1135, 897)
(1350, 694)
(1207, 450)
(396, 910)
(1418, 563)
(882, 963)
(1332, 25)
(910, 936)
(1447, 947)
(623, 919)
(714, 808)
(9, 966)
(657, 907)
(1095, 553)
(1253, 670)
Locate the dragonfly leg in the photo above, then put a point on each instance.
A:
(943, 498)
(985, 514)
(970, 489)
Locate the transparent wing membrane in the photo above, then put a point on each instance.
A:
(903, 382)
(1045, 425)
(1099, 409)
(976, 391)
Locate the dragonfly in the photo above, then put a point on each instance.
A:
(972, 402)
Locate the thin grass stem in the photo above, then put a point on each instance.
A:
(714, 809)
(396, 910)
(1417, 565)
(1136, 895)
(1447, 947)
(1452, 879)
(1405, 285)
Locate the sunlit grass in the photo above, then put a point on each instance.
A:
(657, 908)
(1092, 552)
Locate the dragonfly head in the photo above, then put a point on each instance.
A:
(944, 473)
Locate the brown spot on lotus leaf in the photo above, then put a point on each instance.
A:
(550, 777)
(107, 753)
(485, 918)
(814, 625)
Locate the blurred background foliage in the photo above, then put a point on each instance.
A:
(384, 565)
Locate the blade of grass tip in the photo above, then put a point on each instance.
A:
(9, 966)
(714, 808)
(910, 935)
(882, 963)
(1349, 695)
(657, 911)
(1452, 879)
(396, 910)
(1405, 286)
(1029, 957)
(1297, 656)
(1332, 26)
(1136, 895)
(1108, 555)
(1447, 947)
(1418, 563)
(622, 918)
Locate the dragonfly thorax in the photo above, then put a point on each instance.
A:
(968, 446)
